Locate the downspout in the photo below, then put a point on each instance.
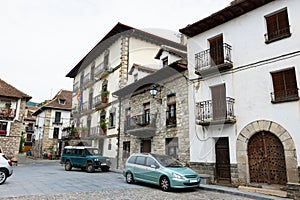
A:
(119, 130)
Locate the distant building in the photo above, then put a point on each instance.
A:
(51, 119)
(29, 122)
(12, 112)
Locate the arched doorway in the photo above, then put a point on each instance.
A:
(266, 159)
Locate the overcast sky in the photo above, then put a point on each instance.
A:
(42, 40)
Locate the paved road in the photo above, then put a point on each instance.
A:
(49, 180)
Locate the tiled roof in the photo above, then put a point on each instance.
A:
(7, 90)
(234, 10)
(64, 95)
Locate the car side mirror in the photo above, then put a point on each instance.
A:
(154, 166)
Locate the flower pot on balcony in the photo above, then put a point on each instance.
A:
(104, 99)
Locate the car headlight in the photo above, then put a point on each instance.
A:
(178, 176)
(96, 159)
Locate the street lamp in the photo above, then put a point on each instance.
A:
(153, 91)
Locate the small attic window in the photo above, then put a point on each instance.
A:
(165, 62)
(62, 101)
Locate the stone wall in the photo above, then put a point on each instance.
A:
(10, 144)
(175, 85)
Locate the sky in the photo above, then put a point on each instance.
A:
(42, 40)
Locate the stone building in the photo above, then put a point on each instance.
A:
(12, 111)
(29, 122)
(51, 119)
(244, 101)
(154, 110)
(124, 50)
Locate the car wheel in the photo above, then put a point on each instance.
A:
(105, 169)
(129, 177)
(3, 176)
(68, 166)
(164, 184)
(90, 168)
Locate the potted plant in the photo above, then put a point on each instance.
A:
(104, 96)
(83, 130)
(8, 107)
(103, 126)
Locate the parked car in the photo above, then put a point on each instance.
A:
(162, 170)
(86, 158)
(6, 169)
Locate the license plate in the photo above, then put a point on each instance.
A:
(103, 164)
(193, 181)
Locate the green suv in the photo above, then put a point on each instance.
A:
(86, 158)
(162, 170)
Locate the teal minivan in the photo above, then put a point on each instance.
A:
(162, 170)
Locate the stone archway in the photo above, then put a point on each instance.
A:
(283, 136)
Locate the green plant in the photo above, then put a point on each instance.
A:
(103, 123)
(105, 93)
(83, 128)
(8, 105)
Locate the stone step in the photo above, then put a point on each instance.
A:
(268, 191)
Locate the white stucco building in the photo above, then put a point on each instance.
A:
(243, 63)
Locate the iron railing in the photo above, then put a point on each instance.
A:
(205, 58)
(140, 121)
(280, 33)
(204, 111)
(97, 131)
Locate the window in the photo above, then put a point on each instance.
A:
(147, 113)
(150, 161)
(62, 101)
(3, 128)
(55, 133)
(126, 149)
(172, 147)
(284, 85)
(140, 160)
(277, 26)
(106, 59)
(57, 117)
(171, 111)
(112, 119)
(109, 144)
(165, 62)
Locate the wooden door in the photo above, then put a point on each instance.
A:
(146, 146)
(266, 159)
(219, 102)
(223, 160)
(216, 50)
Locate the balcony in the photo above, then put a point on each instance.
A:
(100, 102)
(212, 61)
(141, 127)
(209, 113)
(97, 132)
(7, 113)
(101, 71)
(57, 122)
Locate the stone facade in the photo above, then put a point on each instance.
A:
(177, 86)
(10, 144)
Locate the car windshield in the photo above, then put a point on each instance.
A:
(168, 161)
(93, 151)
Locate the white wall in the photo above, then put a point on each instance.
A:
(250, 84)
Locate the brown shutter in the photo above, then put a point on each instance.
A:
(216, 50)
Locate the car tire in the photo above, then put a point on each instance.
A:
(129, 178)
(164, 184)
(105, 169)
(68, 166)
(90, 168)
(3, 176)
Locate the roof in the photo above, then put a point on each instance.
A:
(158, 76)
(234, 10)
(172, 50)
(112, 36)
(54, 103)
(141, 68)
(7, 90)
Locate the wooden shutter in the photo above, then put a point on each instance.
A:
(216, 50)
(277, 25)
(219, 102)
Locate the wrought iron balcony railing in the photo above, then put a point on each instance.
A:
(7, 113)
(141, 125)
(97, 131)
(278, 34)
(209, 113)
(214, 59)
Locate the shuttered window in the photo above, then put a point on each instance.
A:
(277, 26)
(171, 111)
(285, 85)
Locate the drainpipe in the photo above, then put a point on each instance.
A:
(118, 138)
